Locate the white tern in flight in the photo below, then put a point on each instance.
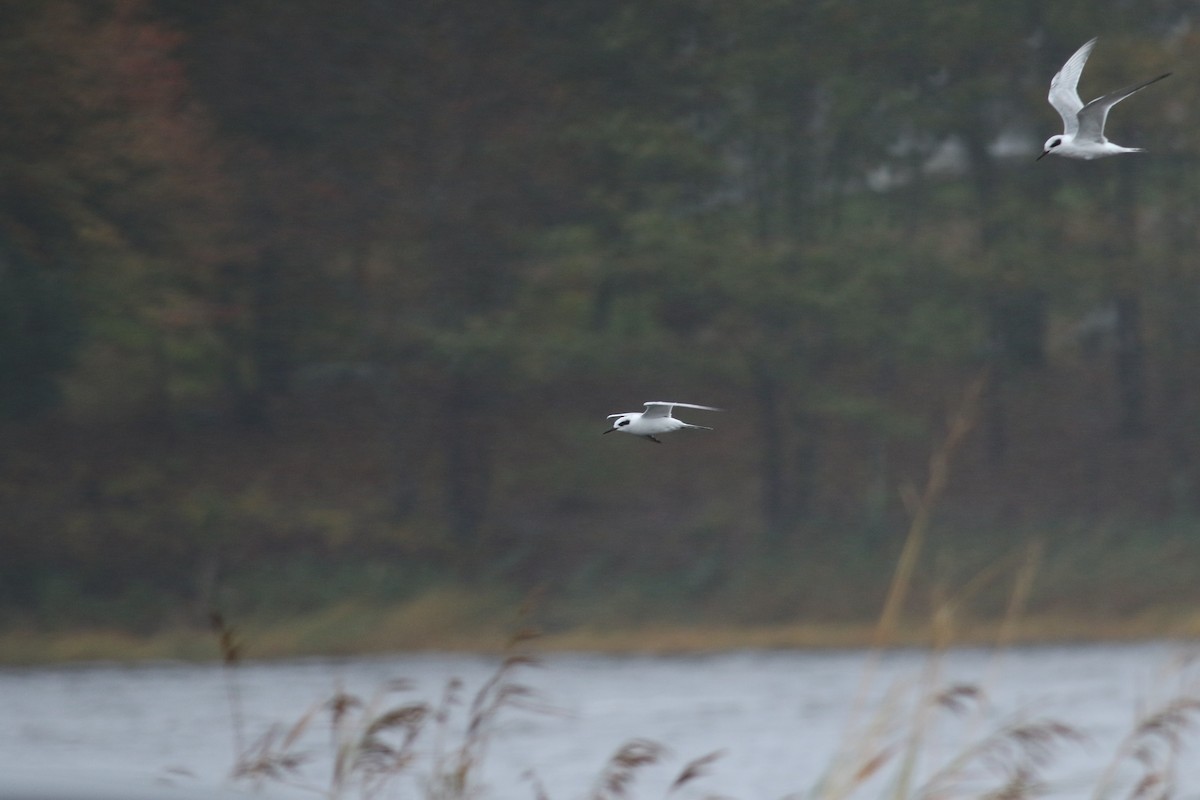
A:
(1083, 125)
(655, 419)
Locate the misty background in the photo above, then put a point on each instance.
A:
(312, 306)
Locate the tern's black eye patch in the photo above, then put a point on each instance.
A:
(622, 423)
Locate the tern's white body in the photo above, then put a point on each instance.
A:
(655, 419)
(1083, 125)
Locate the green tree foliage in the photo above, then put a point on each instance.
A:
(38, 335)
(114, 192)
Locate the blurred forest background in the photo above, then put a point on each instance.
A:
(309, 304)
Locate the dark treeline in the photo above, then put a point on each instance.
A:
(361, 280)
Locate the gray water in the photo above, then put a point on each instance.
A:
(777, 717)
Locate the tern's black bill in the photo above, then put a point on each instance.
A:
(1043, 155)
(610, 430)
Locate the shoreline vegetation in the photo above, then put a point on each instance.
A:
(986, 604)
(380, 631)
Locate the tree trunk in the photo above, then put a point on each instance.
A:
(161, 407)
(766, 393)
(467, 438)
(995, 413)
(1129, 365)
(269, 334)
(805, 462)
(1129, 355)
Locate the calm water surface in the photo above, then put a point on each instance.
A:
(777, 717)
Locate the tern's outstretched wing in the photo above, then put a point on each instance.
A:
(1093, 116)
(1064, 88)
(661, 408)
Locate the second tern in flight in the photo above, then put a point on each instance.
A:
(655, 419)
(1083, 125)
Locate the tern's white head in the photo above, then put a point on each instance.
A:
(1051, 143)
(622, 420)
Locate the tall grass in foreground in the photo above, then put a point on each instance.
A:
(392, 744)
(435, 749)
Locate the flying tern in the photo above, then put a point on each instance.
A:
(655, 419)
(1083, 125)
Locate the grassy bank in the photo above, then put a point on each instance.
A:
(1109, 582)
(950, 582)
(452, 621)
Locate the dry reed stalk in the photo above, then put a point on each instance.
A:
(1018, 599)
(885, 742)
(1022, 771)
(1029, 561)
(694, 769)
(230, 648)
(1024, 563)
(922, 506)
(866, 750)
(618, 774)
(539, 790)
(373, 743)
(273, 755)
(1153, 747)
(453, 768)
(1015, 753)
(850, 768)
